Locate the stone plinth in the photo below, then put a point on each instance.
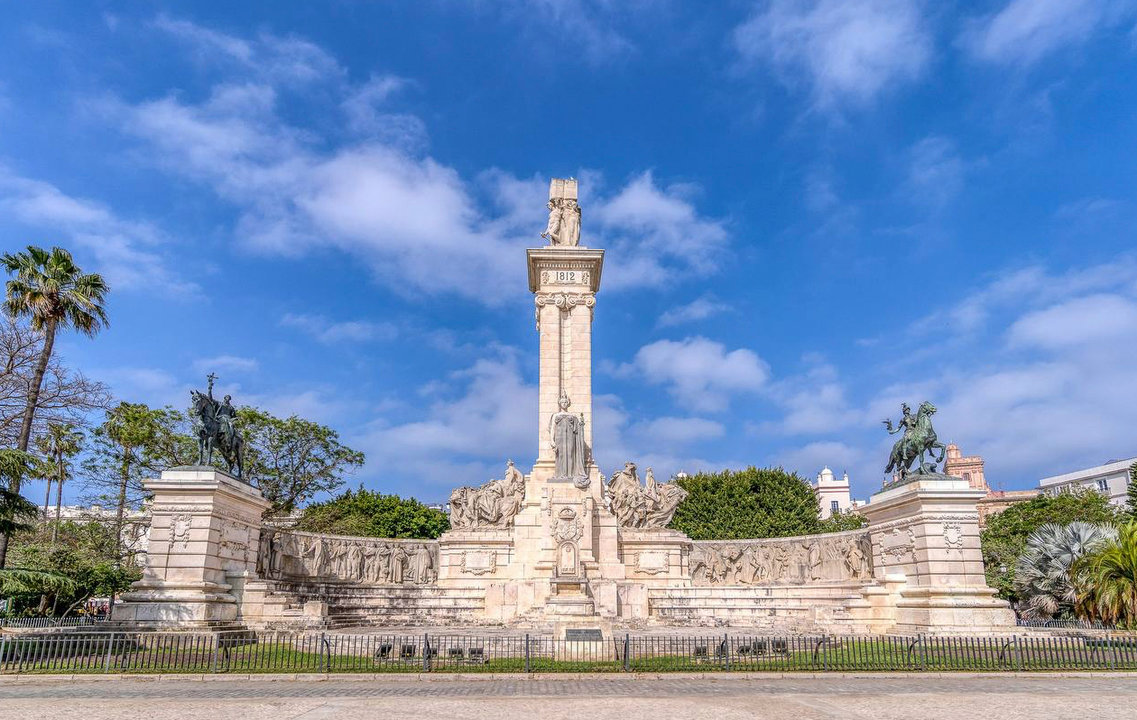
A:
(204, 536)
(925, 541)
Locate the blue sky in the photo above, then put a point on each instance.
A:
(813, 211)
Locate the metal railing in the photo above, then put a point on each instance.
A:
(269, 652)
(50, 622)
(1064, 625)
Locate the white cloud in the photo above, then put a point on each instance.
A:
(414, 220)
(809, 459)
(850, 50)
(487, 415)
(126, 252)
(225, 363)
(935, 171)
(698, 309)
(669, 431)
(1025, 31)
(331, 332)
(814, 402)
(655, 234)
(583, 29)
(1083, 321)
(700, 373)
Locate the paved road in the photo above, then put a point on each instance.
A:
(519, 698)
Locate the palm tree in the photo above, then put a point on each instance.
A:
(1111, 574)
(50, 290)
(62, 441)
(1046, 575)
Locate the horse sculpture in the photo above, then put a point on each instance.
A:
(919, 438)
(212, 435)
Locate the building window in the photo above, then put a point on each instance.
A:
(967, 477)
(834, 506)
(1103, 486)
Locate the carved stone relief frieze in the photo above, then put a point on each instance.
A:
(309, 556)
(792, 561)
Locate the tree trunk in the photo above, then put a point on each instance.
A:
(29, 415)
(122, 481)
(58, 501)
(47, 501)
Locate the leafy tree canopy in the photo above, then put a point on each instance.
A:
(84, 553)
(293, 459)
(841, 521)
(1005, 537)
(751, 503)
(371, 514)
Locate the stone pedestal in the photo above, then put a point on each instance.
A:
(204, 537)
(925, 540)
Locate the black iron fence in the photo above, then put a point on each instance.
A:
(254, 652)
(52, 622)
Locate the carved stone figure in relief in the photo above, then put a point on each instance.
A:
(566, 436)
(423, 565)
(552, 229)
(648, 507)
(563, 228)
(763, 562)
(493, 505)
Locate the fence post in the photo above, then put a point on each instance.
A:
(216, 649)
(426, 652)
(323, 642)
(527, 653)
(3, 652)
(726, 651)
(107, 659)
(627, 647)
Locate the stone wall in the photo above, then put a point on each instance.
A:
(837, 557)
(304, 556)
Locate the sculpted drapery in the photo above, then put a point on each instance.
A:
(566, 433)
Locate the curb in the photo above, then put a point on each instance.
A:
(23, 679)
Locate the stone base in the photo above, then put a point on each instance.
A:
(180, 605)
(954, 611)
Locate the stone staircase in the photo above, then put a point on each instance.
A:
(780, 608)
(353, 605)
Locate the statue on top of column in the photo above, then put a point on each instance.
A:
(563, 228)
(566, 435)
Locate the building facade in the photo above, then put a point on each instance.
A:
(833, 495)
(1110, 479)
(970, 468)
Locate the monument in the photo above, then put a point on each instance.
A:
(562, 548)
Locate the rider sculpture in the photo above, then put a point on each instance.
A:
(917, 438)
(217, 430)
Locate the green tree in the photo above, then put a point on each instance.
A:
(18, 514)
(1004, 539)
(1131, 493)
(293, 459)
(1111, 580)
(750, 503)
(50, 290)
(371, 514)
(116, 462)
(841, 521)
(85, 554)
(1045, 576)
(60, 443)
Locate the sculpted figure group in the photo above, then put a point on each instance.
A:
(646, 507)
(492, 505)
(564, 222)
(285, 555)
(770, 562)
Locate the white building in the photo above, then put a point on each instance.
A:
(833, 494)
(1111, 480)
(135, 524)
